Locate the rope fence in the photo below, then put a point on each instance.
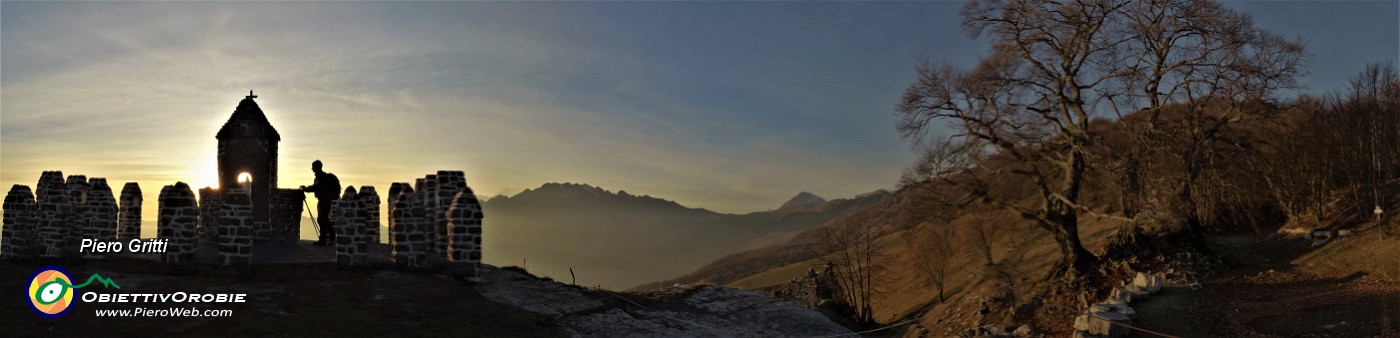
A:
(1130, 327)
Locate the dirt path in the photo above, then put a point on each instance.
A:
(1263, 295)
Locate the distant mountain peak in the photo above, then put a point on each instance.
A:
(579, 194)
(803, 200)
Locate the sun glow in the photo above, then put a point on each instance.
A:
(245, 177)
(206, 172)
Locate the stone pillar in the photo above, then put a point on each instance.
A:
(428, 196)
(464, 232)
(19, 223)
(99, 213)
(449, 183)
(395, 189)
(209, 211)
(129, 212)
(406, 234)
(285, 223)
(76, 188)
(234, 218)
(351, 246)
(53, 213)
(179, 215)
(370, 199)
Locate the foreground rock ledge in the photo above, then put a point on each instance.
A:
(703, 311)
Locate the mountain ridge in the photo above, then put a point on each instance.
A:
(619, 239)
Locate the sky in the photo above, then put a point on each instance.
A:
(729, 106)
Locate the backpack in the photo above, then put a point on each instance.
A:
(330, 188)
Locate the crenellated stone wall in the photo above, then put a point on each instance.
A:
(449, 183)
(351, 245)
(370, 199)
(428, 195)
(209, 201)
(464, 232)
(407, 238)
(234, 220)
(54, 211)
(395, 189)
(284, 221)
(76, 187)
(19, 221)
(129, 212)
(99, 213)
(179, 215)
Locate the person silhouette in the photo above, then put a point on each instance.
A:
(327, 190)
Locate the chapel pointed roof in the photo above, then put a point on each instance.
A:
(248, 121)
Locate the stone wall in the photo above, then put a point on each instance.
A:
(129, 212)
(234, 219)
(370, 199)
(179, 216)
(284, 223)
(99, 214)
(449, 183)
(53, 213)
(407, 238)
(1110, 317)
(464, 232)
(428, 195)
(76, 188)
(19, 222)
(209, 201)
(351, 244)
(816, 289)
(395, 189)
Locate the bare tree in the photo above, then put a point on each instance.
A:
(984, 235)
(1313, 162)
(1210, 66)
(1027, 102)
(933, 254)
(852, 247)
(1056, 65)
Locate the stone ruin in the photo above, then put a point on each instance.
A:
(234, 221)
(179, 217)
(53, 221)
(99, 213)
(351, 241)
(54, 210)
(464, 231)
(19, 222)
(438, 215)
(43, 224)
(817, 289)
(370, 199)
(407, 229)
(129, 212)
(76, 188)
(436, 195)
(209, 201)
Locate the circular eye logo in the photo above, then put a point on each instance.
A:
(50, 292)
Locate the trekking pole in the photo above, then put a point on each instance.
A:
(313, 218)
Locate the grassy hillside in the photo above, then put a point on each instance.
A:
(1243, 196)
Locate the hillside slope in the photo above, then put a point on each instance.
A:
(618, 240)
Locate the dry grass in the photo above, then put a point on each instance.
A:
(1024, 257)
(1370, 251)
